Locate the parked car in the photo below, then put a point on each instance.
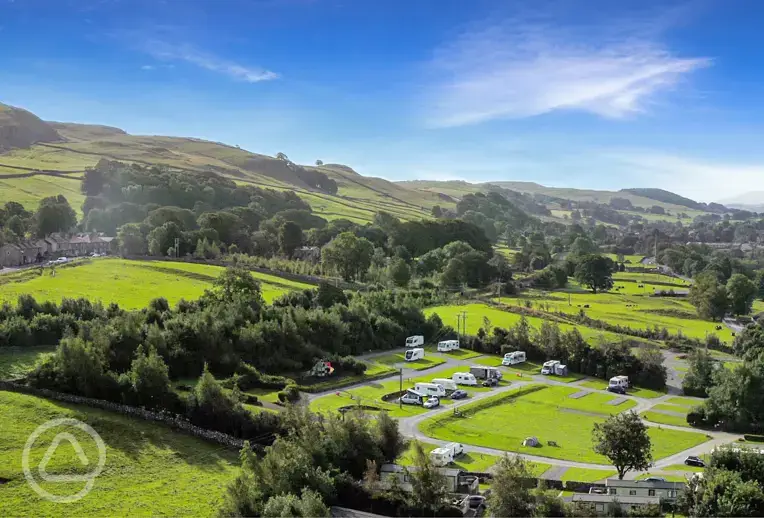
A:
(694, 461)
(432, 402)
(490, 382)
(654, 479)
(411, 399)
(616, 389)
(474, 502)
(459, 394)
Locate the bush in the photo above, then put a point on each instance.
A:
(291, 394)
(697, 416)
(15, 332)
(248, 377)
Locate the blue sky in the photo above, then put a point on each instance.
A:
(588, 94)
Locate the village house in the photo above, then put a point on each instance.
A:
(35, 251)
(308, 253)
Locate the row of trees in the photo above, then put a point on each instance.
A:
(713, 299)
(53, 214)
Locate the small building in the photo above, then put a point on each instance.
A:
(31, 252)
(308, 253)
(10, 256)
(666, 491)
(456, 479)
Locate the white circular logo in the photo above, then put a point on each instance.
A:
(88, 478)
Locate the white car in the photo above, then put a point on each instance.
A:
(62, 260)
(432, 402)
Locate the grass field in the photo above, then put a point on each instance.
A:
(477, 312)
(684, 401)
(657, 417)
(468, 461)
(586, 474)
(551, 415)
(399, 359)
(683, 467)
(18, 361)
(369, 395)
(524, 369)
(633, 391)
(149, 470)
(131, 284)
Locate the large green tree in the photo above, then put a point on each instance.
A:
(348, 255)
(623, 439)
(509, 496)
(429, 491)
(741, 292)
(131, 240)
(700, 373)
(54, 214)
(709, 296)
(290, 237)
(595, 272)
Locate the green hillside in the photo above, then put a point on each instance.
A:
(39, 158)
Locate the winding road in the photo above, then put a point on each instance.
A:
(409, 426)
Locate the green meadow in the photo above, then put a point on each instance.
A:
(131, 284)
(149, 471)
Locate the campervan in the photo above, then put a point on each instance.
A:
(485, 373)
(430, 389)
(448, 345)
(619, 381)
(415, 341)
(446, 383)
(445, 455)
(548, 367)
(513, 358)
(464, 378)
(414, 354)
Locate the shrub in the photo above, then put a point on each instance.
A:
(290, 394)
(697, 416)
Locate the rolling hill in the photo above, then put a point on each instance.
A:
(39, 158)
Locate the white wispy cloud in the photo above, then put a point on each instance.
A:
(165, 51)
(521, 69)
(696, 178)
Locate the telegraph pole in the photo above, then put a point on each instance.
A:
(400, 387)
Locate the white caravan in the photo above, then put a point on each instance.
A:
(446, 455)
(430, 389)
(415, 341)
(448, 345)
(513, 358)
(445, 383)
(464, 378)
(414, 354)
(619, 381)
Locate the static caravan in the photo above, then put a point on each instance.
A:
(619, 381)
(445, 383)
(513, 358)
(448, 345)
(430, 389)
(464, 378)
(414, 354)
(415, 341)
(482, 372)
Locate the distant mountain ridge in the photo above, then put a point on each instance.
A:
(666, 197)
(20, 129)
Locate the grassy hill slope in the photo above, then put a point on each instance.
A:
(20, 128)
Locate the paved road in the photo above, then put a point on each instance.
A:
(410, 426)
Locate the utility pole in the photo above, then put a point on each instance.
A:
(400, 387)
(458, 325)
(464, 322)
(177, 247)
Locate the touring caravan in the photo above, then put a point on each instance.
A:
(448, 345)
(445, 383)
(619, 381)
(415, 341)
(414, 354)
(430, 389)
(446, 455)
(548, 367)
(464, 378)
(513, 358)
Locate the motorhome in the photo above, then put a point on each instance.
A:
(513, 358)
(464, 378)
(430, 389)
(619, 381)
(481, 372)
(448, 345)
(415, 341)
(446, 455)
(446, 383)
(549, 367)
(414, 354)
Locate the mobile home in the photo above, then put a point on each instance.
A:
(415, 341)
(464, 378)
(445, 383)
(446, 455)
(482, 372)
(414, 354)
(448, 345)
(513, 358)
(430, 389)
